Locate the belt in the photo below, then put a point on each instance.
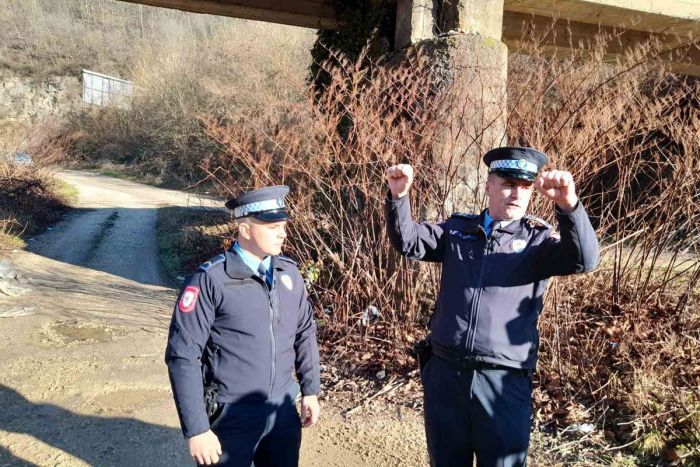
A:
(457, 358)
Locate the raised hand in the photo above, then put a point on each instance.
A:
(558, 185)
(400, 178)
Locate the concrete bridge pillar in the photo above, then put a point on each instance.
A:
(463, 40)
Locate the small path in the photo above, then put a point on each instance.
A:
(113, 228)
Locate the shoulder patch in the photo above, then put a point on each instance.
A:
(465, 215)
(212, 262)
(537, 222)
(286, 259)
(188, 299)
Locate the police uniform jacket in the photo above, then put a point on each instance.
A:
(244, 337)
(491, 290)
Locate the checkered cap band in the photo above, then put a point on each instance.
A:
(260, 206)
(518, 164)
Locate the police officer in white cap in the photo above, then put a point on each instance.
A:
(478, 362)
(241, 328)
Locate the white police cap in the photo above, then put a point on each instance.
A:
(266, 204)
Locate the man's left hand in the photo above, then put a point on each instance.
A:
(558, 185)
(310, 411)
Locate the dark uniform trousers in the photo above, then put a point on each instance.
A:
(260, 434)
(476, 412)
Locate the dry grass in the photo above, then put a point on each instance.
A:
(42, 38)
(30, 200)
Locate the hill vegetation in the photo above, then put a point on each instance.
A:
(184, 67)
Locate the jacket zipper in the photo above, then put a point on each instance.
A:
(477, 301)
(271, 313)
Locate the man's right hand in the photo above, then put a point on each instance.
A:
(400, 178)
(205, 449)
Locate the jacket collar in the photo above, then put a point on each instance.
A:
(236, 268)
(512, 228)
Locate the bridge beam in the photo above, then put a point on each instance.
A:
(681, 17)
(315, 14)
(672, 22)
(561, 38)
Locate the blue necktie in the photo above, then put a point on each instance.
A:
(495, 225)
(262, 272)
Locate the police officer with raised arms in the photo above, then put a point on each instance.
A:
(483, 332)
(241, 327)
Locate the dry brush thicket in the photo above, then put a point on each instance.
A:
(619, 346)
(219, 75)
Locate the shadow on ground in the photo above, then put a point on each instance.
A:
(94, 440)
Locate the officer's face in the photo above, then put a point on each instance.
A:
(265, 237)
(508, 197)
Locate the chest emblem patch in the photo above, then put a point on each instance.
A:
(189, 299)
(287, 281)
(518, 245)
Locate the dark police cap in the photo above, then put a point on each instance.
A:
(515, 162)
(266, 204)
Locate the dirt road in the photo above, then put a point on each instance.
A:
(82, 378)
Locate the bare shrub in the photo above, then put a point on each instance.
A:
(30, 200)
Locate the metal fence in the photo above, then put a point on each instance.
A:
(99, 89)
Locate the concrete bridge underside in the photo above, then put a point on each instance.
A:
(673, 22)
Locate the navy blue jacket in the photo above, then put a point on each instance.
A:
(492, 287)
(230, 328)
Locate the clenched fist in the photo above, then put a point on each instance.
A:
(558, 185)
(400, 178)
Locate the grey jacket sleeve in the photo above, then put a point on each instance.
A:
(422, 241)
(576, 251)
(307, 361)
(189, 332)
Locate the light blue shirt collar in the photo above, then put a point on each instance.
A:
(487, 222)
(252, 262)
